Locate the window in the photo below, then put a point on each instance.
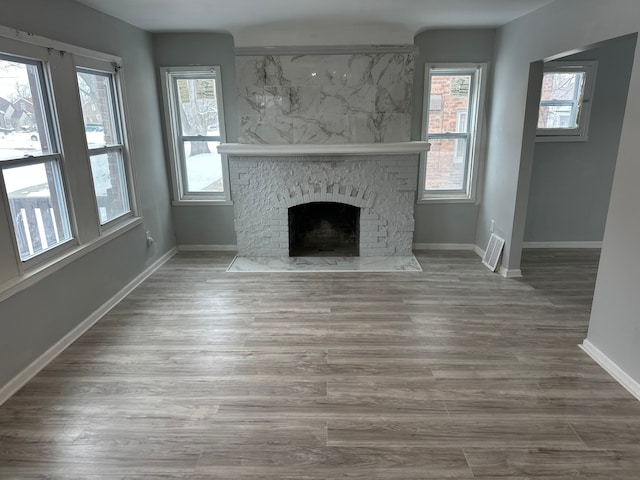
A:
(30, 159)
(451, 124)
(193, 101)
(65, 175)
(103, 131)
(565, 101)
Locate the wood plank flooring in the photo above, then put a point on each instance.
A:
(452, 373)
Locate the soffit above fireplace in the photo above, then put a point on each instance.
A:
(306, 150)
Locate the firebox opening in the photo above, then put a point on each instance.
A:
(324, 229)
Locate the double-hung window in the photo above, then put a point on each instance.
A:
(565, 101)
(66, 184)
(453, 96)
(31, 161)
(104, 133)
(193, 102)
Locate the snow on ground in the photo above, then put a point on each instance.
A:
(203, 170)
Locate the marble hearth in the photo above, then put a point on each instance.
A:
(380, 179)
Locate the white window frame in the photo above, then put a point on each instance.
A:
(175, 137)
(112, 69)
(468, 193)
(581, 132)
(35, 55)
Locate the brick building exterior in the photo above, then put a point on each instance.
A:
(448, 113)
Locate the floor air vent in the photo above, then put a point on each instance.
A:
(493, 252)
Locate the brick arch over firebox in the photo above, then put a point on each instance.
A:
(356, 196)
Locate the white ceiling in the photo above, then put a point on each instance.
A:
(314, 22)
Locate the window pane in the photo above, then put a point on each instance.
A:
(198, 106)
(24, 126)
(460, 150)
(562, 86)
(454, 94)
(38, 207)
(445, 167)
(110, 184)
(203, 167)
(561, 99)
(556, 116)
(98, 109)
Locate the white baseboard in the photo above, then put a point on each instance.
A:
(443, 246)
(562, 245)
(507, 273)
(207, 248)
(510, 272)
(611, 368)
(17, 382)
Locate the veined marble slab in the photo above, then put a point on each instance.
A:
(325, 99)
(407, 263)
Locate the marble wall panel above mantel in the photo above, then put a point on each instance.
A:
(325, 99)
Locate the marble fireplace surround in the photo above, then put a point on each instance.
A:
(326, 96)
(379, 178)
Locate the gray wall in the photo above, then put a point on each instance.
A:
(203, 224)
(447, 222)
(213, 225)
(571, 181)
(560, 28)
(37, 317)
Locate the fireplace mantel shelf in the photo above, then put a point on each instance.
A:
(301, 150)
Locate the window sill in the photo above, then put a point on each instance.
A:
(117, 222)
(200, 203)
(561, 138)
(451, 199)
(46, 268)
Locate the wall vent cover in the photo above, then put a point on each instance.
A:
(493, 252)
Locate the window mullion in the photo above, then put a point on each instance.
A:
(103, 150)
(199, 138)
(557, 103)
(30, 160)
(449, 136)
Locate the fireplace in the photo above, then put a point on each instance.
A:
(377, 181)
(319, 229)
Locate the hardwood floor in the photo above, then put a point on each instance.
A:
(451, 373)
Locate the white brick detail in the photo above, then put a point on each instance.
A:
(264, 188)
